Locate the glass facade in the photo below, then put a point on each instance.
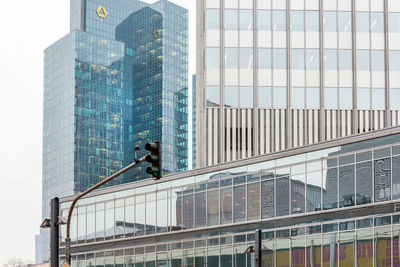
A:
(115, 81)
(306, 71)
(329, 206)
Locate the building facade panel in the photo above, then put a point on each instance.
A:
(333, 57)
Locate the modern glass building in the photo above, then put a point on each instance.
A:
(278, 74)
(117, 80)
(194, 121)
(335, 203)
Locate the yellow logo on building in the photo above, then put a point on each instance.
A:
(101, 12)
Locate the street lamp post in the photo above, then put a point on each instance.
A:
(79, 196)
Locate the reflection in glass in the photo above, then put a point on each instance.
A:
(162, 215)
(267, 199)
(330, 98)
(312, 98)
(119, 222)
(99, 224)
(297, 96)
(188, 211)
(346, 186)
(253, 201)
(364, 183)
(346, 98)
(246, 58)
(239, 203)
(212, 207)
(383, 246)
(312, 59)
(344, 21)
(176, 213)
(394, 60)
(329, 21)
(394, 96)
(330, 59)
(345, 59)
(362, 21)
(363, 98)
(297, 20)
(382, 179)
(282, 196)
(314, 185)
(212, 96)
(396, 177)
(378, 98)
(200, 209)
(279, 94)
(212, 58)
(264, 58)
(81, 227)
(365, 248)
(377, 22)
(346, 246)
(150, 217)
(279, 58)
(329, 193)
(298, 194)
(298, 251)
(129, 220)
(297, 59)
(394, 21)
(329, 250)
(90, 226)
(283, 251)
(226, 205)
(231, 58)
(246, 97)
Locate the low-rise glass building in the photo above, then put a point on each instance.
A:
(335, 203)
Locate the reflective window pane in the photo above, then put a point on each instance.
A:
(212, 207)
(279, 58)
(279, 20)
(312, 59)
(314, 185)
(297, 97)
(279, 97)
(329, 21)
(226, 205)
(377, 22)
(231, 96)
(253, 201)
(231, 19)
(264, 97)
(298, 194)
(267, 199)
(364, 183)
(212, 19)
(312, 98)
(312, 20)
(297, 59)
(239, 203)
(231, 58)
(363, 98)
(330, 98)
(378, 98)
(264, 58)
(377, 60)
(246, 58)
(246, 19)
(246, 97)
(345, 59)
(394, 98)
(297, 20)
(346, 186)
(382, 179)
(264, 20)
(394, 22)
(330, 59)
(344, 21)
(363, 60)
(362, 21)
(212, 58)
(282, 196)
(212, 96)
(329, 193)
(200, 209)
(346, 98)
(394, 60)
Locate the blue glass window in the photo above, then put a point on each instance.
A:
(330, 21)
(297, 20)
(246, 19)
(212, 58)
(231, 96)
(362, 21)
(377, 60)
(212, 96)
(297, 97)
(279, 20)
(231, 19)
(344, 21)
(312, 59)
(279, 97)
(297, 59)
(312, 21)
(312, 98)
(363, 98)
(246, 97)
(345, 59)
(264, 58)
(394, 60)
(395, 98)
(279, 58)
(378, 98)
(264, 97)
(246, 58)
(330, 98)
(346, 98)
(264, 20)
(330, 59)
(363, 60)
(231, 58)
(394, 22)
(377, 22)
(212, 19)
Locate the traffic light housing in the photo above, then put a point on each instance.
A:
(154, 157)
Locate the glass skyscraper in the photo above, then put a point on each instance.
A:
(278, 74)
(117, 80)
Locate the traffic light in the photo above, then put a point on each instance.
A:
(154, 158)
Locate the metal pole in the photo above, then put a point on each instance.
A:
(79, 196)
(257, 249)
(54, 233)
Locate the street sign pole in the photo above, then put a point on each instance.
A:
(54, 232)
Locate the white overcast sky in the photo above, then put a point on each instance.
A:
(27, 27)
